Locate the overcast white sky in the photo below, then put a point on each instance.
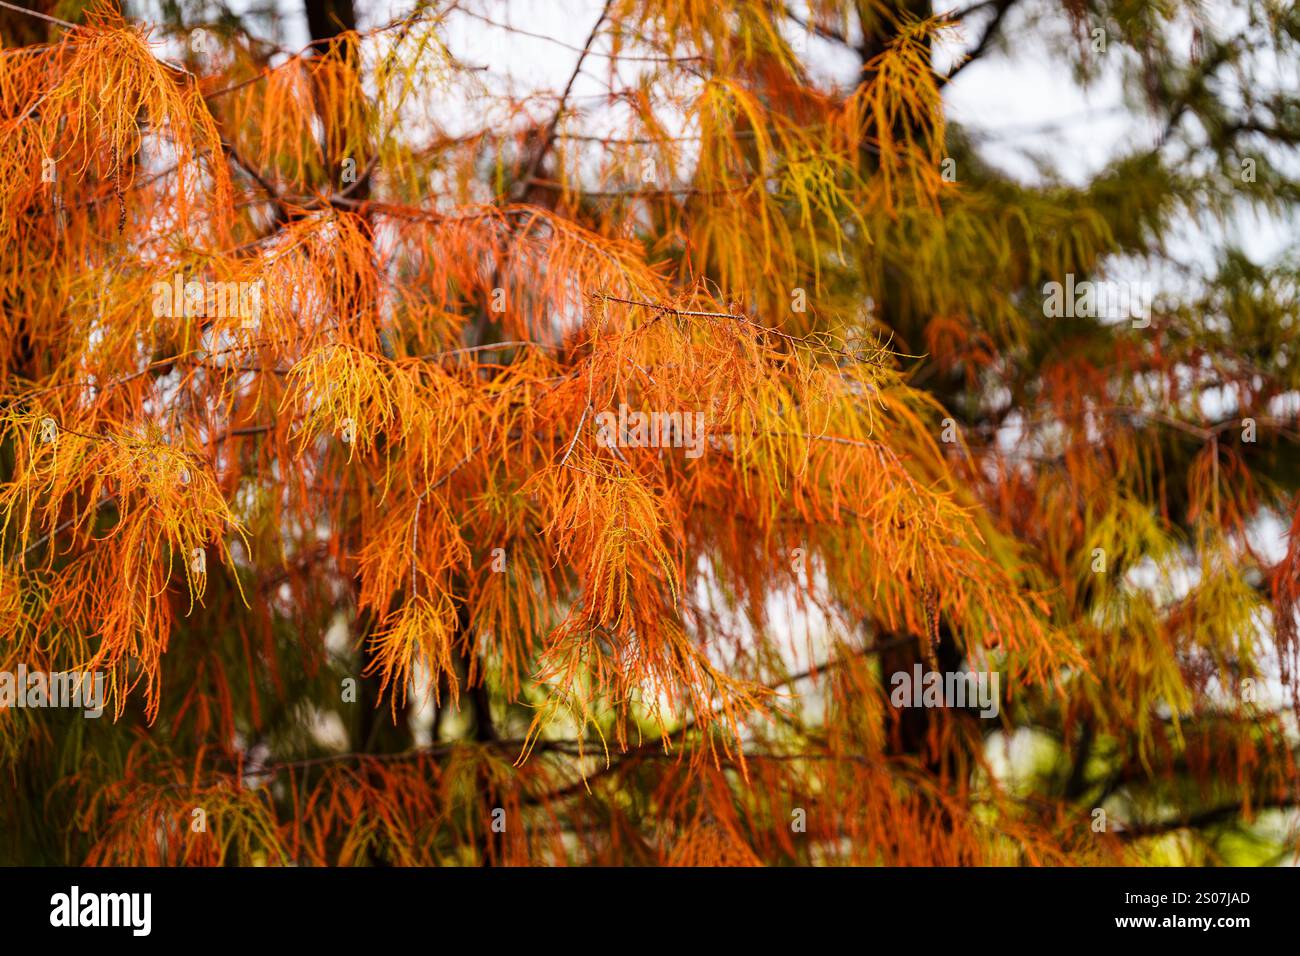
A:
(1021, 100)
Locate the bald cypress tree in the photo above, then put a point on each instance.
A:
(709, 458)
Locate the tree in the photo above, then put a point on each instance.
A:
(438, 473)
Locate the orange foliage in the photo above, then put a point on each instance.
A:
(401, 441)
